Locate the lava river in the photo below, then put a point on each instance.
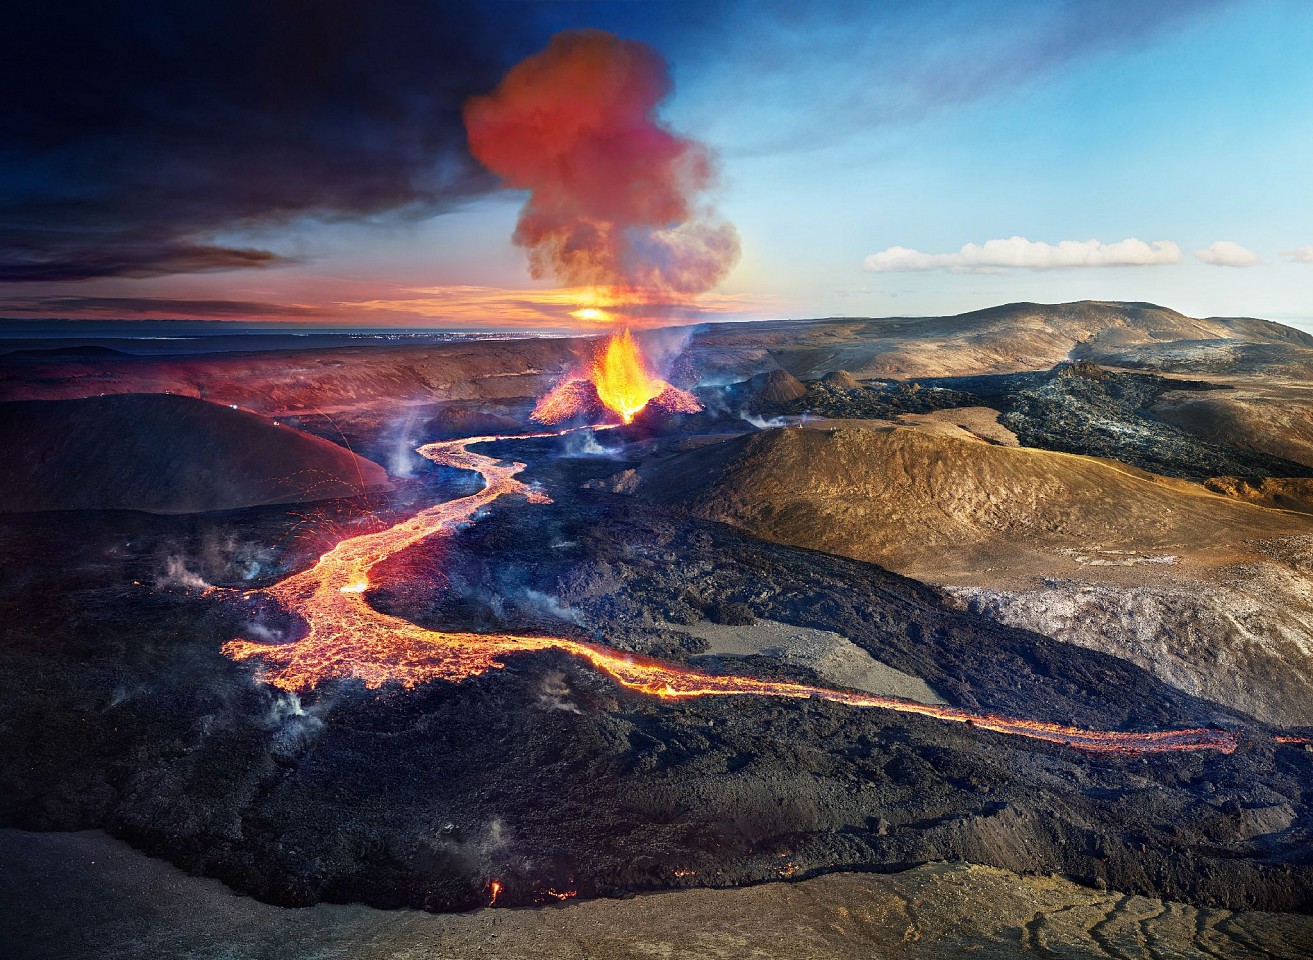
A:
(345, 637)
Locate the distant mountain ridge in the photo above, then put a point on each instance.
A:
(1009, 338)
(1014, 337)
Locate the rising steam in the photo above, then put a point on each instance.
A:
(615, 196)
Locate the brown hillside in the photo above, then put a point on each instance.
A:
(164, 454)
(281, 382)
(1263, 416)
(932, 504)
(1208, 592)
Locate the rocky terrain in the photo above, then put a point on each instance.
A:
(165, 454)
(83, 896)
(1012, 338)
(1006, 339)
(1006, 512)
(324, 380)
(546, 776)
(1262, 416)
(1075, 407)
(1204, 590)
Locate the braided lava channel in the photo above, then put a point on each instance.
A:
(344, 637)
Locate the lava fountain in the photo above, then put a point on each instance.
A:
(623, 382)
(619, 382)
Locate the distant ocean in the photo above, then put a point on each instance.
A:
(190, 337)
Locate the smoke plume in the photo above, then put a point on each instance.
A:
(616, 198)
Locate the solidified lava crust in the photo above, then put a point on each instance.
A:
(549, 775)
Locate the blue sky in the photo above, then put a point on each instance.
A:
(1203, 134)
(850, 129)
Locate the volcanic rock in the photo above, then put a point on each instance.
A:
(1191, 585)
(841, 380)
(94, 898)
(119, 711)
(557, 779)
(1277, 493)
(464, 420)
(1014, 337)
(165, 454)
(769, 389)
(1266, 418)
(282, 382)
(1084, 408)
(624, 482)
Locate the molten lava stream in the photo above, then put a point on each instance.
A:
(346, 637)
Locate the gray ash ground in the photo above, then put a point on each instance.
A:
(119, 712)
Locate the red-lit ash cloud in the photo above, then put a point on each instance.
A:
(615, 196)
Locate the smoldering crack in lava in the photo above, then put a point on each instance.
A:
(345, 637)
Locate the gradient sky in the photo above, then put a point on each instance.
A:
(265, 170)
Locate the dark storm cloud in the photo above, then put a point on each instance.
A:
(126, 256)
(152, 307)
(136, 134)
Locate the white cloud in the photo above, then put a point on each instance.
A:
(996, 256)
(1302, 254)
(1226, 253)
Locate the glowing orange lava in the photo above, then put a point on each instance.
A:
(618, 381)
(344, 637)
(623, 382)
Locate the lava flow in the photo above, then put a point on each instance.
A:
(618, 382)
(344, 637)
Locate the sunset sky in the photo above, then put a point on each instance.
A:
(307, 162)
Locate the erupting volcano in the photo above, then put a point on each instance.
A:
(616, 203)
(613, 205)
(467, 455)
(618, 381)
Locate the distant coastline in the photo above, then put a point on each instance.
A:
(192, 337)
